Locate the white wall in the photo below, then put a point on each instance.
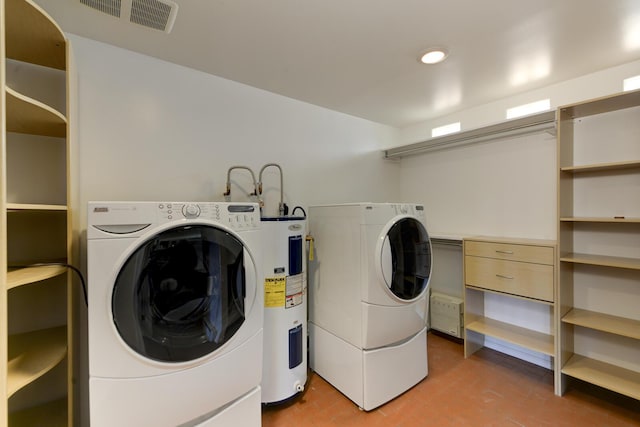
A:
(152, 130)
(503, 188)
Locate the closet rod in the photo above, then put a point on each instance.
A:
(522, 126)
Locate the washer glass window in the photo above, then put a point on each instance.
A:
(411, 258)
(181, 294)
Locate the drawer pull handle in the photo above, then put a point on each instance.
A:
(504, 277)
(504, 252)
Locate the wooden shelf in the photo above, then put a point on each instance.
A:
(32, 36)
(27, 115)
(515, 296)
(49, 414)
(635, 164)
(527, 338)
(15, 207)
(33, 354)
(603, 105)
(602, 260)
(631, 220)
(604, 322)
(25, 276)
(620, 380)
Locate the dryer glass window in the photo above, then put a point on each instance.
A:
(181, 294)
(410, 249)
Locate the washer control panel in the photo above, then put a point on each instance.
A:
(238, 216)
(409, 209)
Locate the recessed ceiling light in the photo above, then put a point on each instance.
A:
(433, 56)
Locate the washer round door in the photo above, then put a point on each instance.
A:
(182, 293)
(406, 258)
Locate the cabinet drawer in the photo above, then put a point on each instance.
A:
(518, 278)
(508, 251)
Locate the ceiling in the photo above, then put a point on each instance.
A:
(360, 57)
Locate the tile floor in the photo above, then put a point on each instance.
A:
(487, 389)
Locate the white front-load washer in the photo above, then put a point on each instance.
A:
(175, 313)
(368, 298)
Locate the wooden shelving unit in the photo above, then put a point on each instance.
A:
(599, 242)
(35, 220)
(515, 269)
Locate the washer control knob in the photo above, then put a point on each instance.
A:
(191, 211)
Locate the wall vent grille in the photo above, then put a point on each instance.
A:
(152, 13)
(111, 7)
(156, 14)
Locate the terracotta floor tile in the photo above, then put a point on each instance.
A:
(489, 389)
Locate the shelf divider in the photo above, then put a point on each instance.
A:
(34, 207)
(633, 164)
(613, 219)
(25, 276)
(32, 36)
(602, 260)
(527, 338)
(33, 354)
(620, 380)
(27, 115)
(622, 326)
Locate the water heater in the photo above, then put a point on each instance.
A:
(284, 372)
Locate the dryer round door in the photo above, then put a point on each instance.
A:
(182, 293)
(405, 258)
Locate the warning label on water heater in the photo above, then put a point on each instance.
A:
(293, 300)
(283, 291)
(294, 291)
(274, 291)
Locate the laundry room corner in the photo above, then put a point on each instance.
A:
(152, 130)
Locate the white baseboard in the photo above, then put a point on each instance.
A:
(530, 356)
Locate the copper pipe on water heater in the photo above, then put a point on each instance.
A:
(281, 207)
(227, 193)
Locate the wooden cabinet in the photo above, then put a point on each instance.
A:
(35, 219)
(599, 242)
(522, 270)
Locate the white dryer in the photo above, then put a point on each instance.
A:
(368, 298)
(175, 314)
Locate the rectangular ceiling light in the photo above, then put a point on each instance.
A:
(632, 83)
(445, 130)
(526, 109)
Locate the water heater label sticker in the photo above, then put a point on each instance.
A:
(274, 291)
(293, 300)
(294, 284)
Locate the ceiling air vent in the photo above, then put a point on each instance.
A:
(111, 7)
(156, 14)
